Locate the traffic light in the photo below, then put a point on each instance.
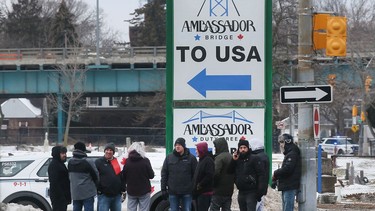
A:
(319, 35)
(354, 111)
(363, 116)
(336, 36)
(368, 82)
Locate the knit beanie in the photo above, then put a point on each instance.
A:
(80, 146)
(110, 146)
(243, 142)
(180, 141)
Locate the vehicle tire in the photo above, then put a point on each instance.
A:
(340, 152)
(162, 206)
(27, 202)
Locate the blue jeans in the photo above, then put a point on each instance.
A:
(106, 203)
(288, 197)
(142, 201)
(174, 200)
(87, 204)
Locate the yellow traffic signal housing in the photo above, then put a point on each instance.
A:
(319, 34)
(354, 111)
(363, 116)
(336, 36)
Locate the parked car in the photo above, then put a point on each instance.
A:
(339, 145)
(24, 180)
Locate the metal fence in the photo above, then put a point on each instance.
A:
(94, 135)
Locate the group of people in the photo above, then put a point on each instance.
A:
(208, 184)
(84, 178)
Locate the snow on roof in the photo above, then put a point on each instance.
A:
(20, 108)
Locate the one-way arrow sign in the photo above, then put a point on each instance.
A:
(306, 94)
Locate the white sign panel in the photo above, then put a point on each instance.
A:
(219, 49)
(196, 125)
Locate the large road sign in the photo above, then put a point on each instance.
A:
(306, 94)
(219, 50)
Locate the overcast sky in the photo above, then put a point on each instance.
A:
(116, 11)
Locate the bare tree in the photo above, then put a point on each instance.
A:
(70, 78)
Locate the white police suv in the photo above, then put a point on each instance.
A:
(24, 180)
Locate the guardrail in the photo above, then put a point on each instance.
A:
(33, 54)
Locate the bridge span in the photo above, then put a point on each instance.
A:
(26, 72)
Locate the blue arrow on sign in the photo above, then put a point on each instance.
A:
(203, 82)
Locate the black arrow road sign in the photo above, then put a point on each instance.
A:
(306, 94)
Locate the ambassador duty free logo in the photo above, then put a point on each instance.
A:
(197, 125)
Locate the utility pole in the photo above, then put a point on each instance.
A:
(97, 61)
(305, 76)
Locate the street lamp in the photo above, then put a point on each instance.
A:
(97, 62)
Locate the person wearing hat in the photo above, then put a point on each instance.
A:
(249, 173)
(257, 150)
(83, 178)
(289, 175)
(177, 176)
(203, 178)
(111, 185)
(58, 177)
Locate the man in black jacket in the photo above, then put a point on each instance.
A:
(223, 180)
(59, 180)
(289, 175)
(111, 185)
(177, 176)
(249, 172)
(257, 150)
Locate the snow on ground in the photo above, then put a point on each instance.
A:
(273, 198)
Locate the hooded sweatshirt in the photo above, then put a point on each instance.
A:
(204, 174)
(223, 180)
(83, 176)
(137, 171)
(59, 179)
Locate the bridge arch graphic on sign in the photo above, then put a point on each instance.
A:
(201, 115)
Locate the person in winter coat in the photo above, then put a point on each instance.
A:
(289, 175)
(249, 172)
(177, 176)
(83, 178)
(223, 181)
(203, 178)
(137, 173)
(257, 151)
(59, 180)
(111, 184)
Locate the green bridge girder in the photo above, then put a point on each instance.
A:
(20, 83)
